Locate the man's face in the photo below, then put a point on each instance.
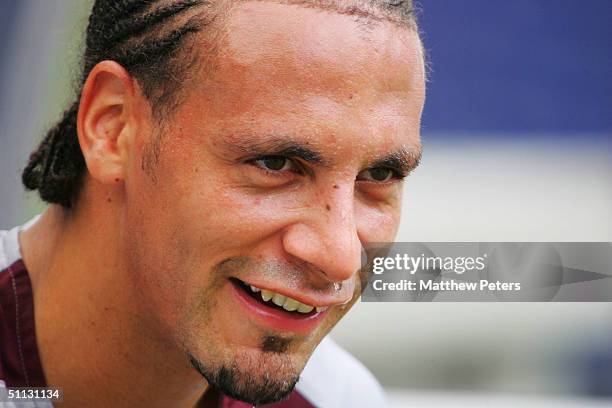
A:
(275, 170)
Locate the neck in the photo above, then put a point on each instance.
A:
(94, 339)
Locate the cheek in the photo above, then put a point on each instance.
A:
(235, 211)
(162, 242)
(377, 224)
(157, 267)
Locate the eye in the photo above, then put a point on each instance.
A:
(377, 174)
(274, 163)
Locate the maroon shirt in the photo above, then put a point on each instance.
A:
(19, 360)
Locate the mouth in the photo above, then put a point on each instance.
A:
(278, 301)
(277, 311)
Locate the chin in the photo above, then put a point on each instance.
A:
(256, 377)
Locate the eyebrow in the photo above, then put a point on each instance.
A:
(274, 146)
(404, 160)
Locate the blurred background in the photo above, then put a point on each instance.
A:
(517, 133)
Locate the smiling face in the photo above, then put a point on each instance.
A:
(275, 170)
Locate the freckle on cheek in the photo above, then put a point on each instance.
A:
(328, 207)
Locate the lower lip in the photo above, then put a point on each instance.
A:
(277, 319)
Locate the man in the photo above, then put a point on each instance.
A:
(211, 193)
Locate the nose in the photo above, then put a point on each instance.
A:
(327, 237)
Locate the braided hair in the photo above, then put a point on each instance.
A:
(146, 37)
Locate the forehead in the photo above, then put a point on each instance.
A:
(322, 45)
(300, 37)
(279, 65)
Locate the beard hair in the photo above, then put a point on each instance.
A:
(240, 384)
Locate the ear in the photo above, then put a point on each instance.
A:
(104, 123)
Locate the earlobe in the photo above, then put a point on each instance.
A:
(104, 121)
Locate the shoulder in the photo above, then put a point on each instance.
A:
(334, 378)
(8, 252)
(19, 359)
(9, 244)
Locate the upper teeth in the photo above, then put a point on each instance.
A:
(286, 302)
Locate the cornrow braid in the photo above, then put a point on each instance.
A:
(124, 29)
(154, 52)
(118, 9)
(144, 37)
(61, 177)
